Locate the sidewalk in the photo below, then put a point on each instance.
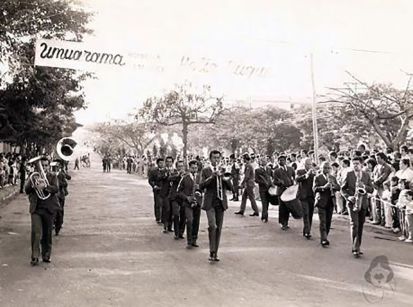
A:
(7, 194)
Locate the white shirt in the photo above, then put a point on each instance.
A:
(405, 174)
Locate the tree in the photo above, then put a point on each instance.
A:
(136, 136)
(383, 107)
(337, 125)
(37, 103)
(183, 106)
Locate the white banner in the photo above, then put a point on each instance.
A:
(81, 56)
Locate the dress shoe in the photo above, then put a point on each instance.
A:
(325, 243)
(361, 253)
(356, 254)
(46, 259)
(285, 227)
(165, 231)
(254, 214)
(194, 244)
(307, 236)
(181, 237)
(34, 261)
(239, 213)
(216, 258)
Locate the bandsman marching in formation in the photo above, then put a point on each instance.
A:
(357, 184)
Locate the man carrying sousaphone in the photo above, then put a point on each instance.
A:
(283, 178)
(42, 188)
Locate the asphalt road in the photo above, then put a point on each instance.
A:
(112, 253)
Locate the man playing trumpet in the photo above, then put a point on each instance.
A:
(354, 189)
(214, 185)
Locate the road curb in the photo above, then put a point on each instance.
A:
(10, 195)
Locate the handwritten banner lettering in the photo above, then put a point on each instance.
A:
(74, 55)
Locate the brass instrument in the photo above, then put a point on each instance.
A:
(218, 169)
(360, 192)
(65, 148)
(37, 178)
(195, 192)
(333, 194)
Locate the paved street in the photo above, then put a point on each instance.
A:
(112, 253)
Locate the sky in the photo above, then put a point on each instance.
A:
(369, 38)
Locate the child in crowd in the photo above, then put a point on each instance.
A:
(409, 217)
(401, 205)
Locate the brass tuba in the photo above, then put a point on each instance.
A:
(65, 148)
(39, 177)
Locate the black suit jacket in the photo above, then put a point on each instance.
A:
(348, 187)
(263, 178)
(186, 189)
(305, 189)
(174, 180)
(208, 185)
(52, 203)
(283, 178)
(323, 197)
(154, 178)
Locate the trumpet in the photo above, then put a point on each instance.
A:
(37, 178)
(331, 187)
(225, 175)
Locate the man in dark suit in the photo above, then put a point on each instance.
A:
(283, 178)
(178, 208)
(215, 201)
(357, 202)
(380, 174)
(154, 179)
(165, 189)
(324, 187)
(305, 177)
(62, 178)
(191, 196)
(235, 174)
(264, 180)
(248, 184)
(43, 211)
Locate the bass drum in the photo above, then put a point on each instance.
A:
(290, 193)
(289, 197)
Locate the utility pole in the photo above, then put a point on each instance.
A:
(314, 110)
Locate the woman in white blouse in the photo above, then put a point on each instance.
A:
(405, 171)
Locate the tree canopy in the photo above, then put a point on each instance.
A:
(37, 103)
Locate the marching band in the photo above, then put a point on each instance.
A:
(345, 185)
